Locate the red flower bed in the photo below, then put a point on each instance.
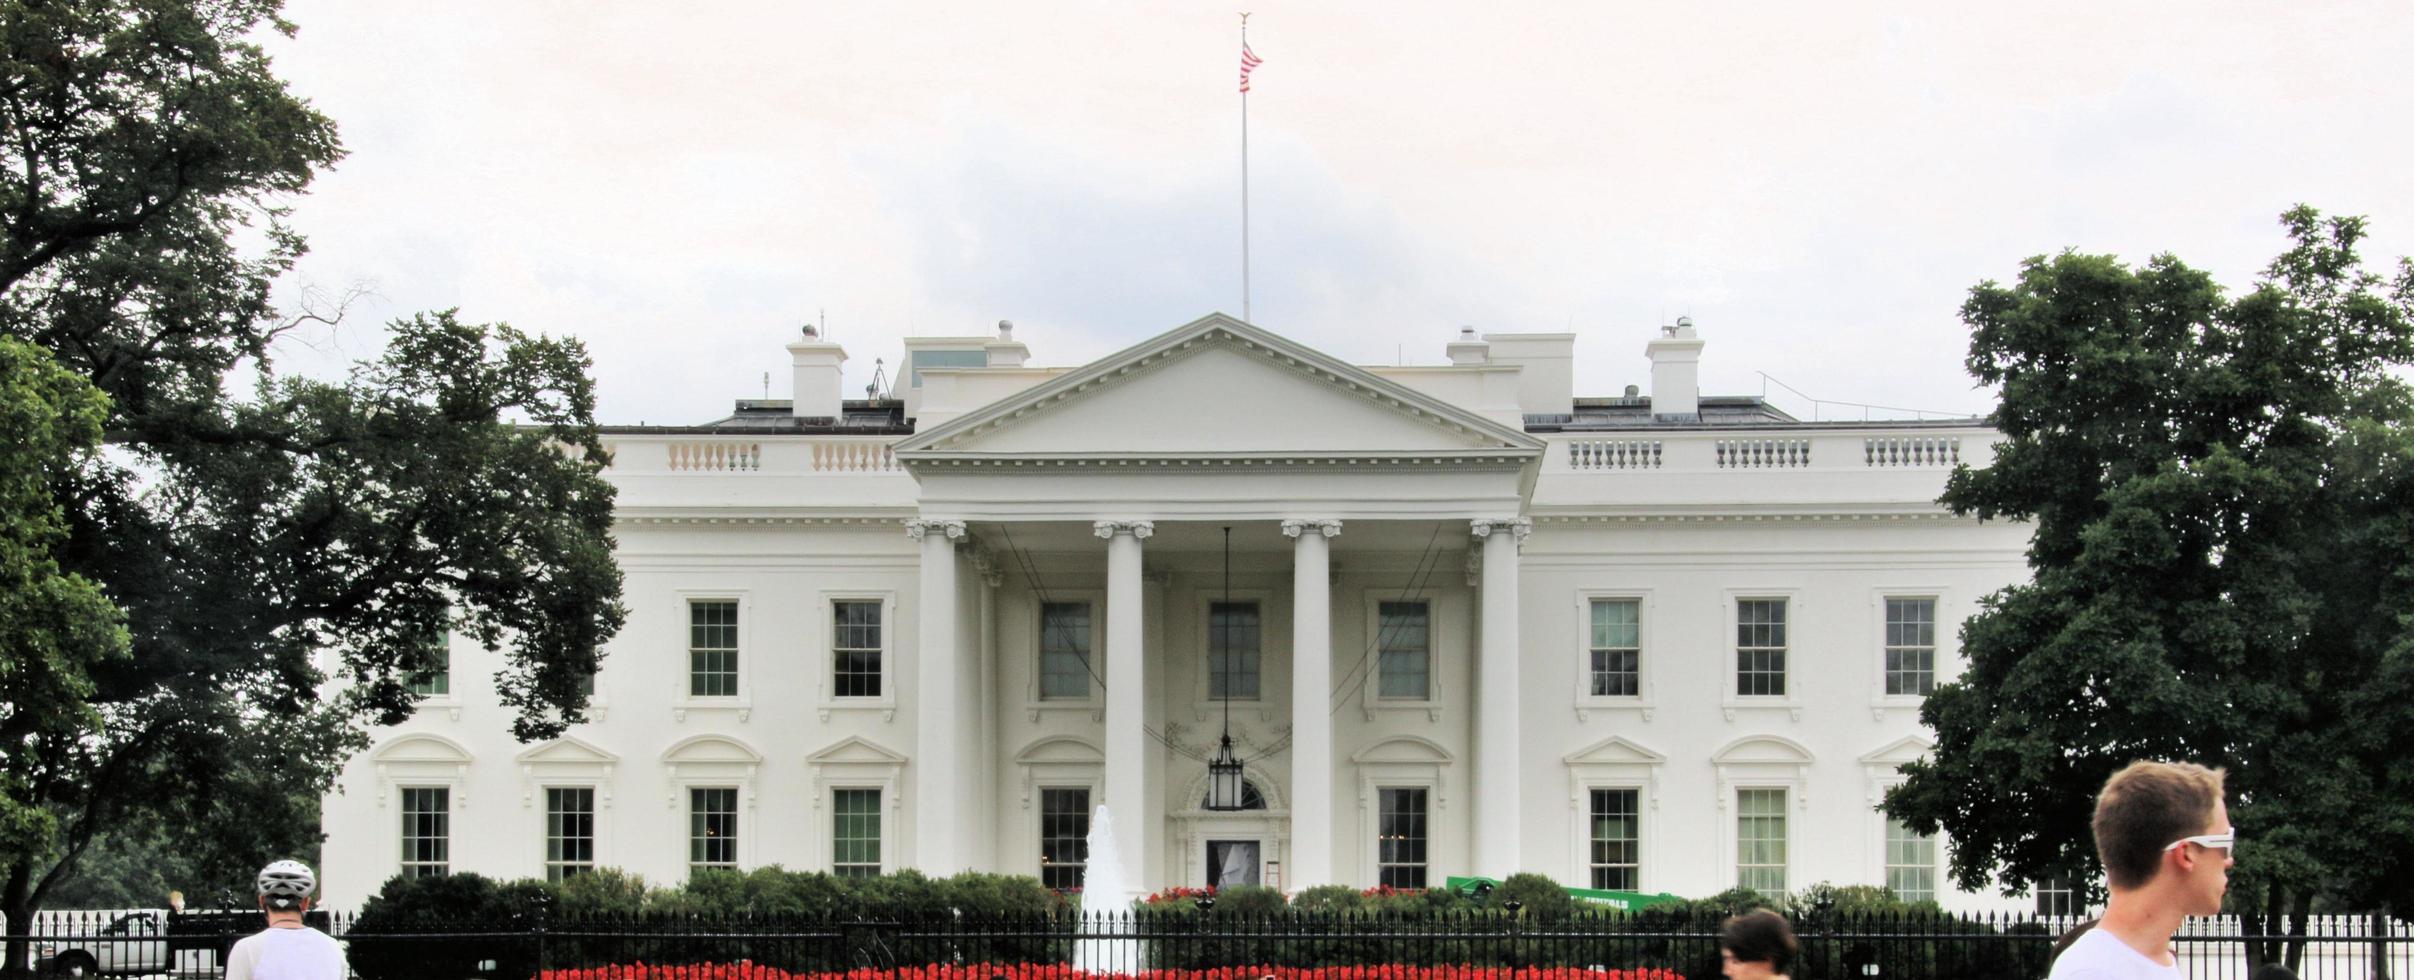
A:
(1059, 971)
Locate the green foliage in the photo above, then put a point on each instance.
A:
(56, 627)
(2222, 493)
(1538, 897)
(245, 536)
(383, 947)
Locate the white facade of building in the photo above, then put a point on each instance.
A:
(1497, 628)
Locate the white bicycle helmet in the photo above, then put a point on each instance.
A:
(287, 884)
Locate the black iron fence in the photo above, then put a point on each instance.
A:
(1188, 944)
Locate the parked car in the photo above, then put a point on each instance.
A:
(132, 944)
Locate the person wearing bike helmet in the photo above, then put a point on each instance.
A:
(287, 949)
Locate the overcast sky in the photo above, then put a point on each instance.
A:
(1817, 185)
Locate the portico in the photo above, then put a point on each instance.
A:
(1312, 461)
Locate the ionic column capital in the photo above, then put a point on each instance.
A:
(1139, 530)
(917, 529)
(1483, 527)
(1297, 526)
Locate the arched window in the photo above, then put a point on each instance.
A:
(1251, 799)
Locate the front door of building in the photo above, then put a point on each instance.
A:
(1232, 862)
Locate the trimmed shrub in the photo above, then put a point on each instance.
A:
(409, 928)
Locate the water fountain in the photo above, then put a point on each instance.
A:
(1106, 901)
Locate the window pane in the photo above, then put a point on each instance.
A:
(855, 833)
(1064, 650)
(1760, 839)
(712, 827)
(426, 830)
(1760, 647)
(1064, 837)
(569, 831)
(1616, 839)
(437, 679)
(1400, 837)
(1910, 863)
(1403, 631)
(1911, 646)
(1232, 651)
(712, 648)
(1617, 648)
(855, 649)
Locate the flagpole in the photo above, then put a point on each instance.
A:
(1245, 178)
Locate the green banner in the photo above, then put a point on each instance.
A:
(1604, 898)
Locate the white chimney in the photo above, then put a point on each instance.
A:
(1676, 369)
(1006, 351)
(1469, 348)
(819, 391)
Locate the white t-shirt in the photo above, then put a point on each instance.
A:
(2097, 955)
(286, 954)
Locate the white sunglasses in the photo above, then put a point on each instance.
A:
(2226, 842)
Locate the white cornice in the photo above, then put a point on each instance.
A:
(1052, 463)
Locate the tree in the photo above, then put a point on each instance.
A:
(284, 551)
(2222, 492)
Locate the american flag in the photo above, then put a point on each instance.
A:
(1249, 63)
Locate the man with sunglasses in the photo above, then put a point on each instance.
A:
(2165, 839)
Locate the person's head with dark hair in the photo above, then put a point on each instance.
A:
(1756, 945)
(2272, 971)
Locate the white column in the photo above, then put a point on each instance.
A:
(938, 770)
(1127, 738)
(1495, 785)
(1311, 704)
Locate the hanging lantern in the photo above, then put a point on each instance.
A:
(1224, 784)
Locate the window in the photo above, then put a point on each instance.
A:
(1617, 648)
(1232, 633)
(1760, 840)
(1404, 634)
(1617, 840)
(2057, 896)
(1911, 646)
(1064, 651)
(1400, 838)
(712, 648)
(1064, 837)
(1910, 863)
(1251, 797)
(436, 679)
(712, 828)
(943, 359)
(427, 813)
(1760, 648)
(855, 833)
(855, 648)
(569, 831)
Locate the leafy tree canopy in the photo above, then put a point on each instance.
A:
(280, 554)
(2222, 493)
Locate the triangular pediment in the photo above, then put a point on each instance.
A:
(855, 751)
(1892, 755)
(1220, 388)
(567, 751)
(1614, 751)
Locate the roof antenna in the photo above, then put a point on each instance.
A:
(766, 386)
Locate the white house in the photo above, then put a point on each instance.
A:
(1473, 624)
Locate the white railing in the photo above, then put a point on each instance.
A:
(832, 456)
(715, 457)
(1758, 453)
(1912, 451)
(1614, 454)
